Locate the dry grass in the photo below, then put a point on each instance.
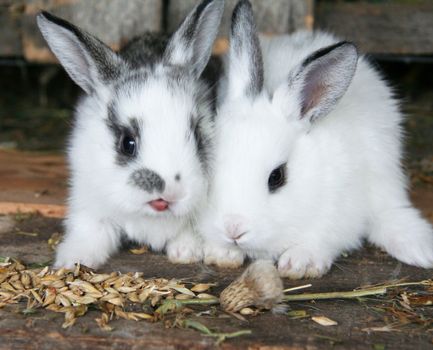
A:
(131, 297)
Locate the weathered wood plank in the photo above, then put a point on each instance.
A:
(113, 21)
(386, 27)
(276, 16)
(10, 34)
(32, 178)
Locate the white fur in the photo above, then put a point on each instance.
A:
(165, 99)
(345, 180)
(102, 203)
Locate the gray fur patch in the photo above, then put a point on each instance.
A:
(118, 131)
(147, 180)
(202, 141)
(145, 50)
(131, 81)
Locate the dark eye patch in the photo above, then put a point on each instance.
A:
(126, 137)
(277, 178)
(202, 140)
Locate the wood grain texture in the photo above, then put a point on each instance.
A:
(382, 28)
(115, 22)
(272, 17)
(10, 33)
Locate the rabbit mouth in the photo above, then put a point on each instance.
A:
(159, 205)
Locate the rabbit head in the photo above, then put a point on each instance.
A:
(141, 139)
(266, 175)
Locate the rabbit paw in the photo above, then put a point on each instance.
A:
(225, 257)
(298, 263)
(69, 254)
(185, 249)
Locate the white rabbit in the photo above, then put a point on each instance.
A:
(140, 146)
(308, 144)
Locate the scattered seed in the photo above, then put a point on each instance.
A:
(116, 301)
(139, 251)
(206, 296)
(324, 321)
(103, 322)
(201, 287)
(247, 311)
(99, 278)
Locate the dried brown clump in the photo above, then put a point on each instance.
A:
(260, 285)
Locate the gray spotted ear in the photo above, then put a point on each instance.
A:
(245, 75)
(86, 59)
(323, 78)
(191, 45)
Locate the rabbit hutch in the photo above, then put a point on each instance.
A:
(138, 299)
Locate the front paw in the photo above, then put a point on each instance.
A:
(70, 254)
(185, 249)
(298, 263)
(225, 257)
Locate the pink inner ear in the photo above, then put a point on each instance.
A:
(315, 95)
(314, 89)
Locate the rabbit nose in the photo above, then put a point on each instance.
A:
(234, 227)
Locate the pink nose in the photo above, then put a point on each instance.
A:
(235, 226)
(159, 204)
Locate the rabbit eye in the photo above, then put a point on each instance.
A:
(128, 145)
(277, 178)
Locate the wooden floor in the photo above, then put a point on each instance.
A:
(358, 321)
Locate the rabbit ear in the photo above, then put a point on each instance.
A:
(86, 59)
(245, 75)
(191, 45)
(321, 80)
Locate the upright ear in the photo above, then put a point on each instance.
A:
(87, 60)
(191, 45)
(320, 81)
(245, 73)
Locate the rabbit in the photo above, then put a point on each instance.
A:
(308, 148)
(141, 142)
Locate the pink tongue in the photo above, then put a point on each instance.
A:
(159, 204)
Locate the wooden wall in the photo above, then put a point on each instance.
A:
(117, 21)
(383, 27)
(387, 27)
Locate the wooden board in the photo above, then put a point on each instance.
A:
(365, 267)
(272, 17)
(382, 27)
(32, 178)
(10, 34)
(115, 22)
(388, 27)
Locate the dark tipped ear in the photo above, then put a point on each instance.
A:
(324, 78)
(245, 76)
(86, 59)
(191, 45)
